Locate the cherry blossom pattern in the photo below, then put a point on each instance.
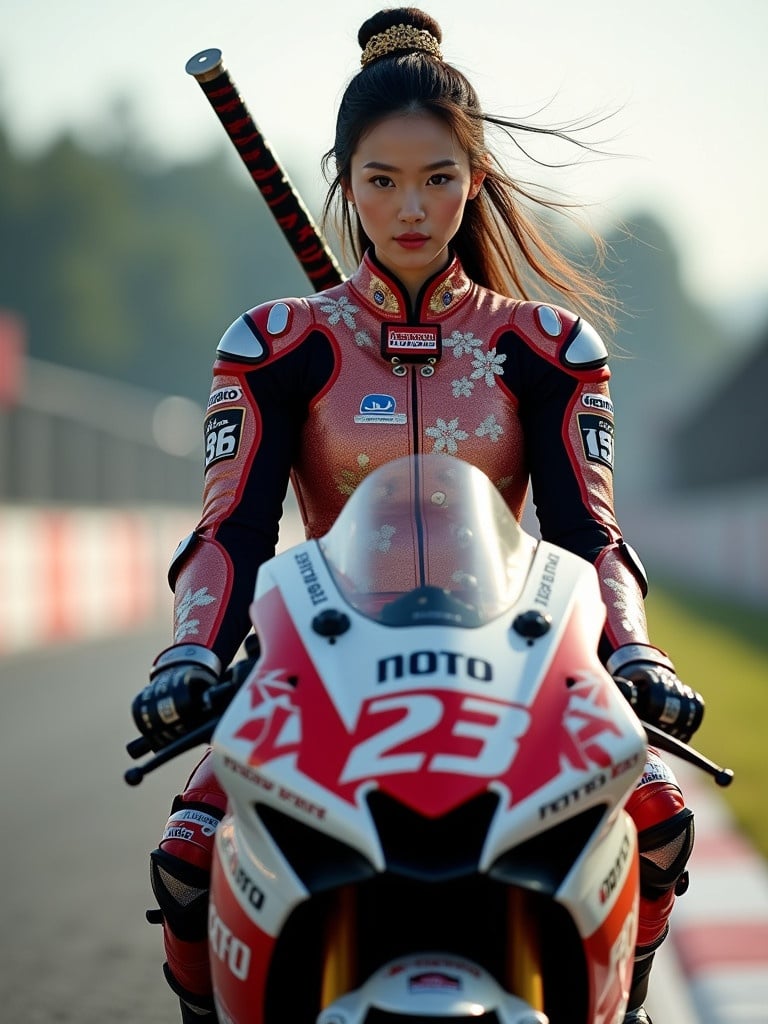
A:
(462, 344)
(446, 435)
(462, 387)
(349, 479)
(487, 366)
(381, 539)
(343, 311)
(490, 427)
(184, 625)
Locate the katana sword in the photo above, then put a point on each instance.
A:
(295, 221)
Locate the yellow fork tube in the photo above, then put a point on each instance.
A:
(524, 977)
(339, 959)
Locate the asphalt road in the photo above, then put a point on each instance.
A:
(74, 945)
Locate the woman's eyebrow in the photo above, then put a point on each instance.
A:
(377, 165)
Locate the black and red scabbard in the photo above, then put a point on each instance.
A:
(295, 221)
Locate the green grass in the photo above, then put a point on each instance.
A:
(721, 650)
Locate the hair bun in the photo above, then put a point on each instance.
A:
(399, 30)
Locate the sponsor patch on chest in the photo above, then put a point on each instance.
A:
(379, 409)
(413, 343)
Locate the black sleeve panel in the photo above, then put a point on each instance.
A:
(282, 391)
(545, 395)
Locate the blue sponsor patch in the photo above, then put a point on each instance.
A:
(379, 409)
(378, 405)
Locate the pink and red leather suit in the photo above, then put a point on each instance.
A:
(302, 391)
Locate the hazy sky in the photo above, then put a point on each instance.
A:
(688, 80)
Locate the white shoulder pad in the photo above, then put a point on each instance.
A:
(585, 349)
(265, 330)
(241, 341)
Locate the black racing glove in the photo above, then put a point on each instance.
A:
(173, 702)
(647, 678)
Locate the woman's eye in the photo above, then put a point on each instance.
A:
(381, 181)
(439, 179)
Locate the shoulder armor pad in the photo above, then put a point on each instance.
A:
(562, 338)
(585, 349)
(256, 334)
(241, 341)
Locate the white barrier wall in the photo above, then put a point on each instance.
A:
(72, 573)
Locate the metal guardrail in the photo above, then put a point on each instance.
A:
(74, 437)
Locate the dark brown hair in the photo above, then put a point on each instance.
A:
(505, 240)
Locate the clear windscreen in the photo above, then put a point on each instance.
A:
(428, 540)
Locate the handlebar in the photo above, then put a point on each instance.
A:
(657, 737)
(217, 699)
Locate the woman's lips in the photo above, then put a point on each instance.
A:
(412, 241)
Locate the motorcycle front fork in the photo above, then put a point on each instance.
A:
(523, 963)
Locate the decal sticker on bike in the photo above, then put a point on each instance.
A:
(434, 732)
(599, 402)
(430, 747)
(226, 946)
(434, 981)
(379, 409)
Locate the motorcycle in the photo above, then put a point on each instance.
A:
(426, 771)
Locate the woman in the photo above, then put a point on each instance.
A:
(429, 346)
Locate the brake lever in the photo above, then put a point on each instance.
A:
(202, 734)
(658, 738)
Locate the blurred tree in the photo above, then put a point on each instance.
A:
(667, 351)
(134, 270)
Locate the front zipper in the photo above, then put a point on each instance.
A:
(416, 418)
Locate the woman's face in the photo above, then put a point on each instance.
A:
(409, 182)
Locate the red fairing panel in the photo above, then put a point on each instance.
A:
(239, 969)
(609, 953)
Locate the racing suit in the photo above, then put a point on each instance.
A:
(321, 391)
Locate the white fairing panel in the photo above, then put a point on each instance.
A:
(431, 984)
(473, 669)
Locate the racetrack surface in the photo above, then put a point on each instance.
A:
(74, 945)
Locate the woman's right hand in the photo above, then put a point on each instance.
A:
(172, 703)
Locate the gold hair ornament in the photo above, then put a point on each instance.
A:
(400, 37)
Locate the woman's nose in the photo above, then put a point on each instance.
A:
(412, 208)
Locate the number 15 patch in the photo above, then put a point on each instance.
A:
(222, 435)
(597, 438)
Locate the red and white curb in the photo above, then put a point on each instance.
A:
(73, 573)
(714, 966)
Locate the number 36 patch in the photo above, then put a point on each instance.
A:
(223, 430)
(597, 438)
